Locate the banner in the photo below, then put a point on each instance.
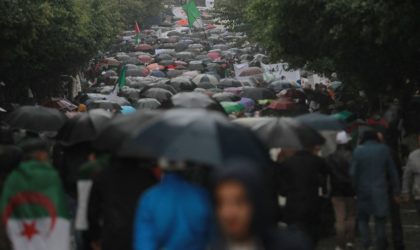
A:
(279, 70)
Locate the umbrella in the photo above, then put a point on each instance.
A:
(36, 118)
(278, 86)
(251, 71)
(184, 55)
(144, 47)
(195, 100)
(282, 104)
(147, 103)
(258, 93)
(155, 66)
(84, 127)
(283, 132)
(104, 104)
(120, 128)
(191, 74)
(206, 78)
(162, 95)
(145, 59)
(163, 85)
(322, 122)
(140, 71)
(182, 84)
(197, 136)
(214, 55)
(127, 110)
(248, 103)
(232, 107)
(162, 57)
(158, 73)
(229, 83)
(345, 116)
(226, 97)
(174, 72)
(236, 91)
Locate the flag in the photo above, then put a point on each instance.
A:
(34, 208)
(121, 79)
(192, 12)
(137, 30)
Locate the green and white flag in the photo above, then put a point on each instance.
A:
(34, 208)
(192, 12)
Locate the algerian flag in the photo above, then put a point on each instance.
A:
(137, 30)
(34, 208)
(192, 12)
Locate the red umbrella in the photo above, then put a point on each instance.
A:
(155, 66)
(210, 26)
(145, 59)
(282, 104)
(214, 55)
(144, 47)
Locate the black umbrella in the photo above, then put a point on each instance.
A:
(162, 95)
(36, 119)
(165, 86)
(283, 132)
(182, 84)
(229, 83)
(83, 127)
(195, 136)
(120, 128)
(104, 104)
(278, 86)
(258, 94)
(226, 97)
(196, 101)
(322, 122)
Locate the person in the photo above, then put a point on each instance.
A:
(342, 193)
(411, 180)
(113, 200)
(301, 177)
(173, 215)
(33, 202)
(244, 214)
(372, 171)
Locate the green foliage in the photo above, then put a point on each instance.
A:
(43, 39)
(232, 12)
(374, 43)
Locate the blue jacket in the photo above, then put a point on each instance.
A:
(173, 215)
(373, 172)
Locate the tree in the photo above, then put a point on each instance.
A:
(232, 12)
(371, 43)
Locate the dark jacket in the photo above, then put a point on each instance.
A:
(339, 172)
(372, 166)
(113, 202)
(301, 177)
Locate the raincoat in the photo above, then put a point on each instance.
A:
(371, 168)
(173, 215)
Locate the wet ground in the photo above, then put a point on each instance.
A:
(411, 227)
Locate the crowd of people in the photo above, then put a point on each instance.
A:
(169, 152)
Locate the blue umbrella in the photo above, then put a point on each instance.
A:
(322, 122)
(158, 73)
(127, 110)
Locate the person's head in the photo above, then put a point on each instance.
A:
(369, 135)
(35, 149)
(241, 207)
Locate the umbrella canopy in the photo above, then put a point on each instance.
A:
(214, 55)
(206, 78)
(175, 72)
(144, 47)
(83, 127)
(120, 128)
(182, 84)
(147, 103)
(248, 103)
(162, 85)
(345, 116)
(127, 110)
(283, 132)
(226, 97)
(158, 73)
(195, 136)
(229, 83)
(196, 100)
(232, 107)
(104, 104)
(282, 104)
(162, 95)
(322, 122)
(278, 86)
(155, 66)
(258, 93)
(36, 118)
(145, 59)
(251, 71)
